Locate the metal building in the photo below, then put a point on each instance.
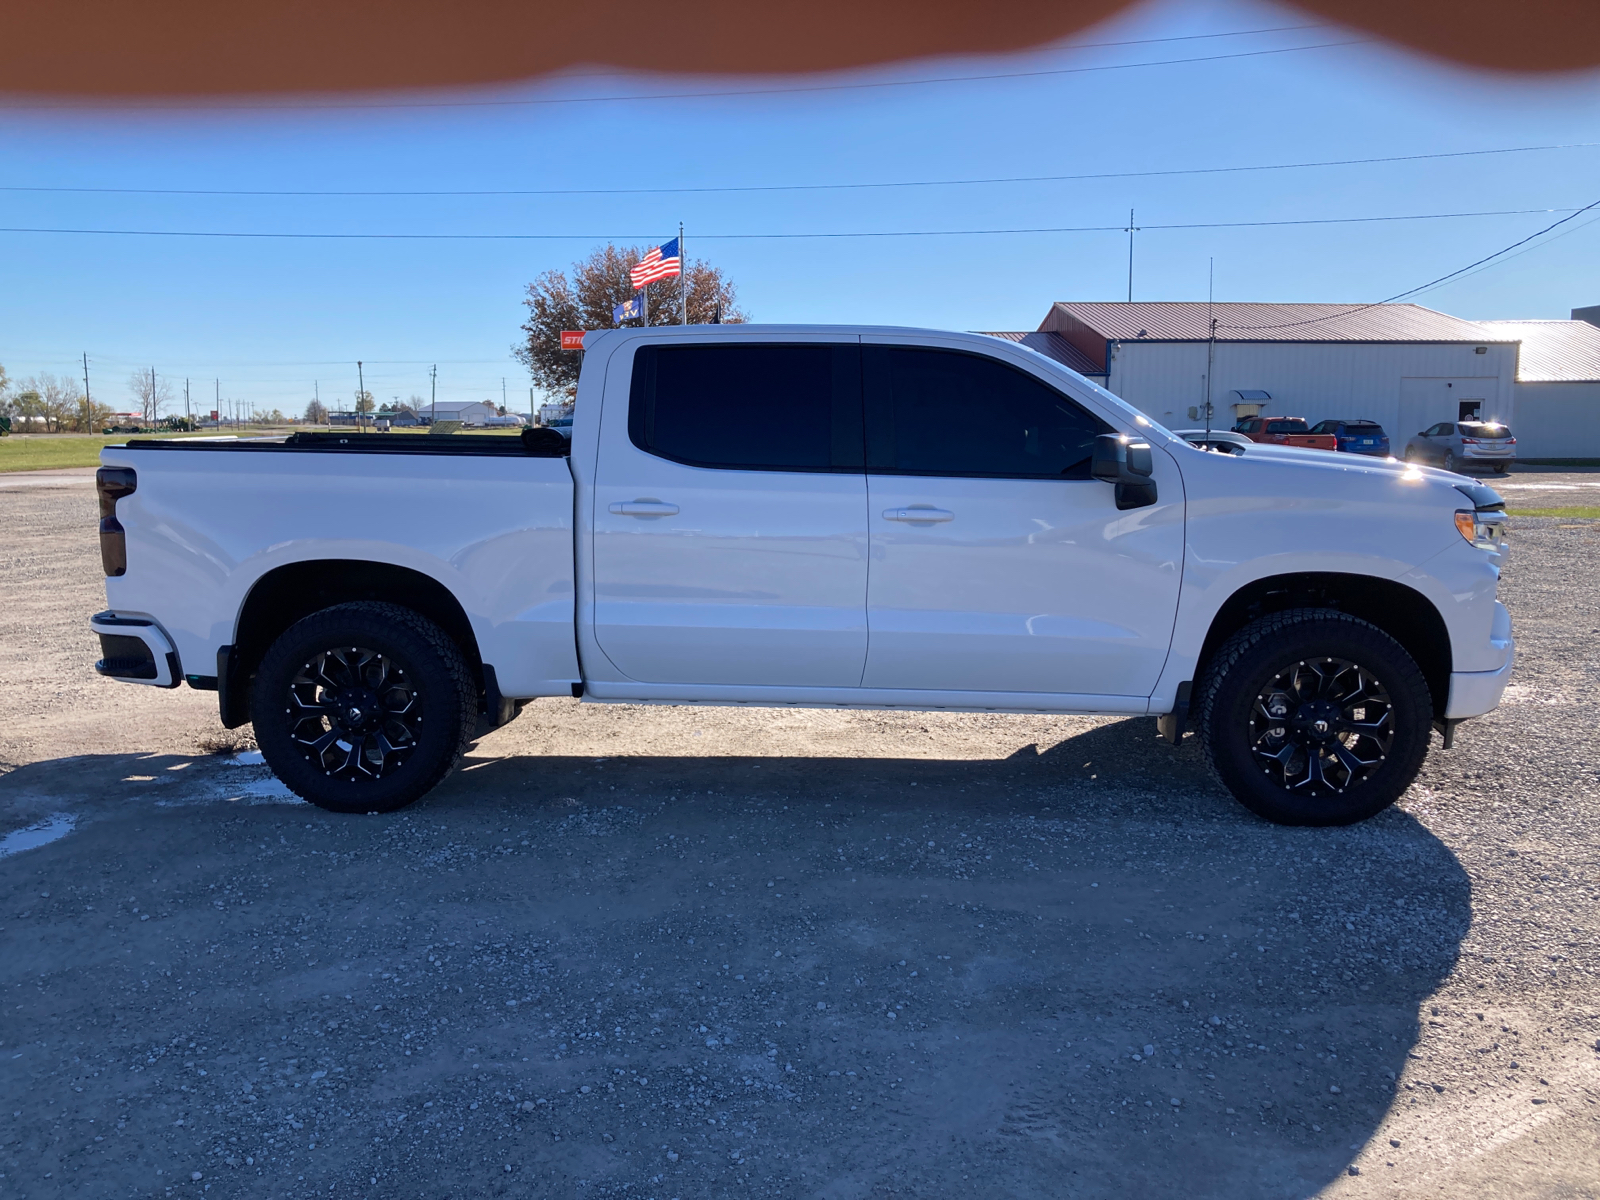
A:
(1401, 365)
(1557, 390)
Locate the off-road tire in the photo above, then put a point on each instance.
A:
(1251, 659)
(435, 674)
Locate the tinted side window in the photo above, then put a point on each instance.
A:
(1325, 427)
(941, 412)
(753, 407)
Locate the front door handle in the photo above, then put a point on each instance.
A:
(918, 514)
(644, 508)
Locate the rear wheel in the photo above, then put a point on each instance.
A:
(1500, 468)
(1312, 717)
(363, 707)
(1448, 462)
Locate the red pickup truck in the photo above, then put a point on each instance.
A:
(1285, 431)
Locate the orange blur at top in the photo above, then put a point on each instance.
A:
(104, 49)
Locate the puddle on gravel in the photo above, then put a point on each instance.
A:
(41, 833)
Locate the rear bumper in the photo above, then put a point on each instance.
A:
(135, 650)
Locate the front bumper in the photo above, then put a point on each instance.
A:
(1473, 693)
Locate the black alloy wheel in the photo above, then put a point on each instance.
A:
(363, 707)
(354, 713)
(1322, 727)
(1314, 717)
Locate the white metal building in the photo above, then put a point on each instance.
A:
(1557, 389)
(468, 412)
(1401, 365)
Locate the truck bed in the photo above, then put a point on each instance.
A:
(487, 517)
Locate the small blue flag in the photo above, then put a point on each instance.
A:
(628, 309)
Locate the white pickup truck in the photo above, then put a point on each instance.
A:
(805, 516)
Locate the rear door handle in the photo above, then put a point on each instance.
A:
(918, 514)
(644, 508)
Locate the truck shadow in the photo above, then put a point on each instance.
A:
(989, 977)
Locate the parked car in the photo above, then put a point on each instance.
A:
(1285, 431)
(1224, 440)
(706, 537)
(1453, 445)
(1356, 437)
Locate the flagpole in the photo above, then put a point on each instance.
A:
(683, 275)
(644, 299)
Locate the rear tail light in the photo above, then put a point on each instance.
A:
(112, 484)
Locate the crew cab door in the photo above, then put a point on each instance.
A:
(998, 563)
(730, 521)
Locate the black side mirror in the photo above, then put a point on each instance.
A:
(1125, 462)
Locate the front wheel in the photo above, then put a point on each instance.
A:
(1500, 468)
(1312, 717)
(363, 707)
(1410, 455)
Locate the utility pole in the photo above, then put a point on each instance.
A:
(683, 275)
(88, 404)
(361, 392)
(1211, 345)
(1132, 229)
(502, 393)
(433, 395)
(217, 399)
(186, 416)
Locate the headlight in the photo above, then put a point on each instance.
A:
(1486, 530)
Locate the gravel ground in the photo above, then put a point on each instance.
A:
(672, 952)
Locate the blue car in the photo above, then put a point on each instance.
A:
(1357, 437)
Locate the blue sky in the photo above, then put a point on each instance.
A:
(275, 318)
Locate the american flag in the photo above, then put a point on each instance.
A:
(663, 262)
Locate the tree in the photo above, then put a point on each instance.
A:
(151, 392)
(92, 416)
(53, 401)
(585, 301)
(316, 413)
(363, 402)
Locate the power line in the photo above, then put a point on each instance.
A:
(793, 187)
(804, 89)
(1432, 283)
(725, 237)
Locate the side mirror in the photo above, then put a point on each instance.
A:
(1125, 462)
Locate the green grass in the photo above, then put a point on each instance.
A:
(45, 452)
(1582, 510)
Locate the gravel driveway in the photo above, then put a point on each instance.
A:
(675, 952)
